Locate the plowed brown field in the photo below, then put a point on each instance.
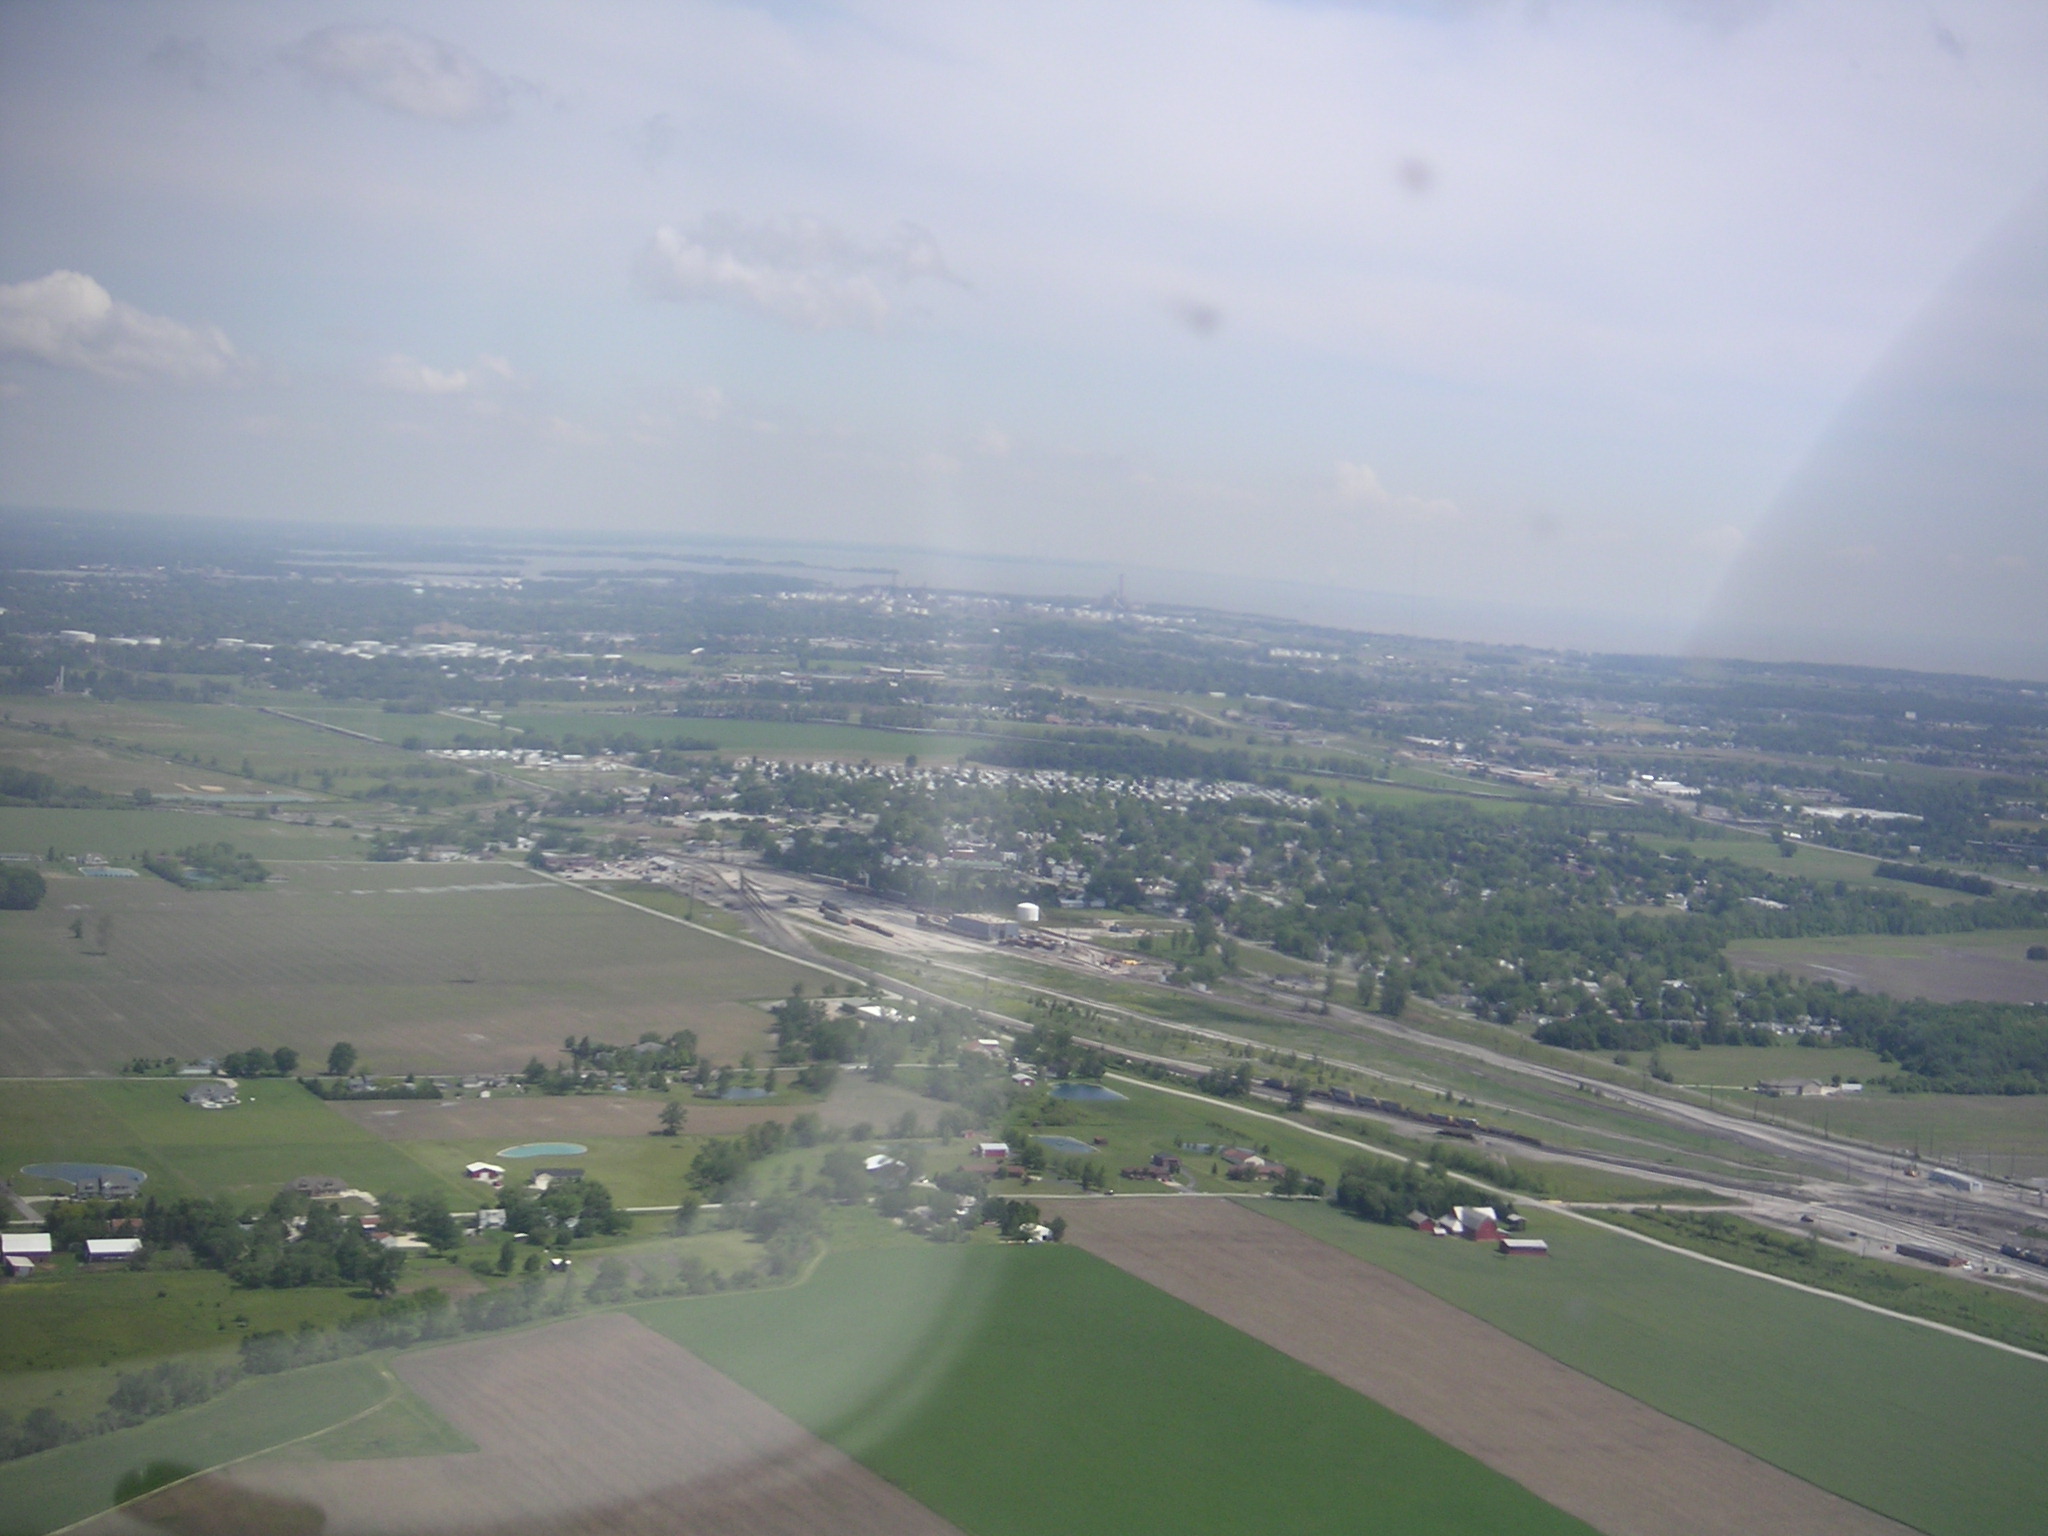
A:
(1620, 1466)
(593, 1426)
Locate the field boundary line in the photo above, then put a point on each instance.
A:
(1800, 1285)
(395, 1386)
(1593, 1221)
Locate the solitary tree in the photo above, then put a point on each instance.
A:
(287, 1060)
(672, 1117)
(341, 1060)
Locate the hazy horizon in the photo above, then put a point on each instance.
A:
(1680, 329)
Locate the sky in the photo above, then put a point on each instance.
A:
(1582, 322)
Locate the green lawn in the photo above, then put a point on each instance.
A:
(1134, 1412)
(41, 1493)
(75, 1318)
(278, 1132)
(638, 1170)
(1743, 1066)
(1937, 1432)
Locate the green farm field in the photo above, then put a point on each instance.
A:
(1131, 1406)
(131, 736)
(118, 835)
(1935, 1431)
(46, 1492)
(429, 968)
(277, 1133)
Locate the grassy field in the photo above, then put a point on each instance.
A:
(41, 1493)
(72, 1318)
(2020, 1320)
(1132, 1408)
(1743, 1066)
(277, 1133)
(119, 834)
(445, 967)
(1934, 1431)
(135, 742)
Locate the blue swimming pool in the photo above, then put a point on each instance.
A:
(75, 1174)
(1090, 1093)
(546, 1149)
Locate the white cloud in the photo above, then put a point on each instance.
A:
(69, 321)
(573, 434)
(410, 376)
(405, 71)
(800, 270)
(1359, 484)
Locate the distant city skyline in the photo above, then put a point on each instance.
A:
(1582, 324)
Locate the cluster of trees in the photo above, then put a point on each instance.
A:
(1377, 1189)
(1055, 1051)
(25, 786)
(1012, 1216)
(292, 1242)
(721, 1162)
(806, 1030)
(410, 1088)
(257, 1062)
(22, 887)
(1939, 878)
(212, 866)
(564, 1211)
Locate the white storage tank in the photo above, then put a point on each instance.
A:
(1027, 911)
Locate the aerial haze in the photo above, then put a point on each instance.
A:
(1587, 324)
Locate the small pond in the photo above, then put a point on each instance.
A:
(84, 1173)
(1091, 1093)
(1069, 1144)
(546, 1149)
(737, 1092)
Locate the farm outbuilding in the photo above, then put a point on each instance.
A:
(31, 1245)
(1534, 1246)
(111, 1249)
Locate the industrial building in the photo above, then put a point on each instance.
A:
(978, 926)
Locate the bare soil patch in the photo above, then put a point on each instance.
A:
(540, 1118)
(1615, 1463)
(593, 1426)
(1939, 972)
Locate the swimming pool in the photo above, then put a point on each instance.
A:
(1091, 1093)
(546, 1149)
(75, 1174)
